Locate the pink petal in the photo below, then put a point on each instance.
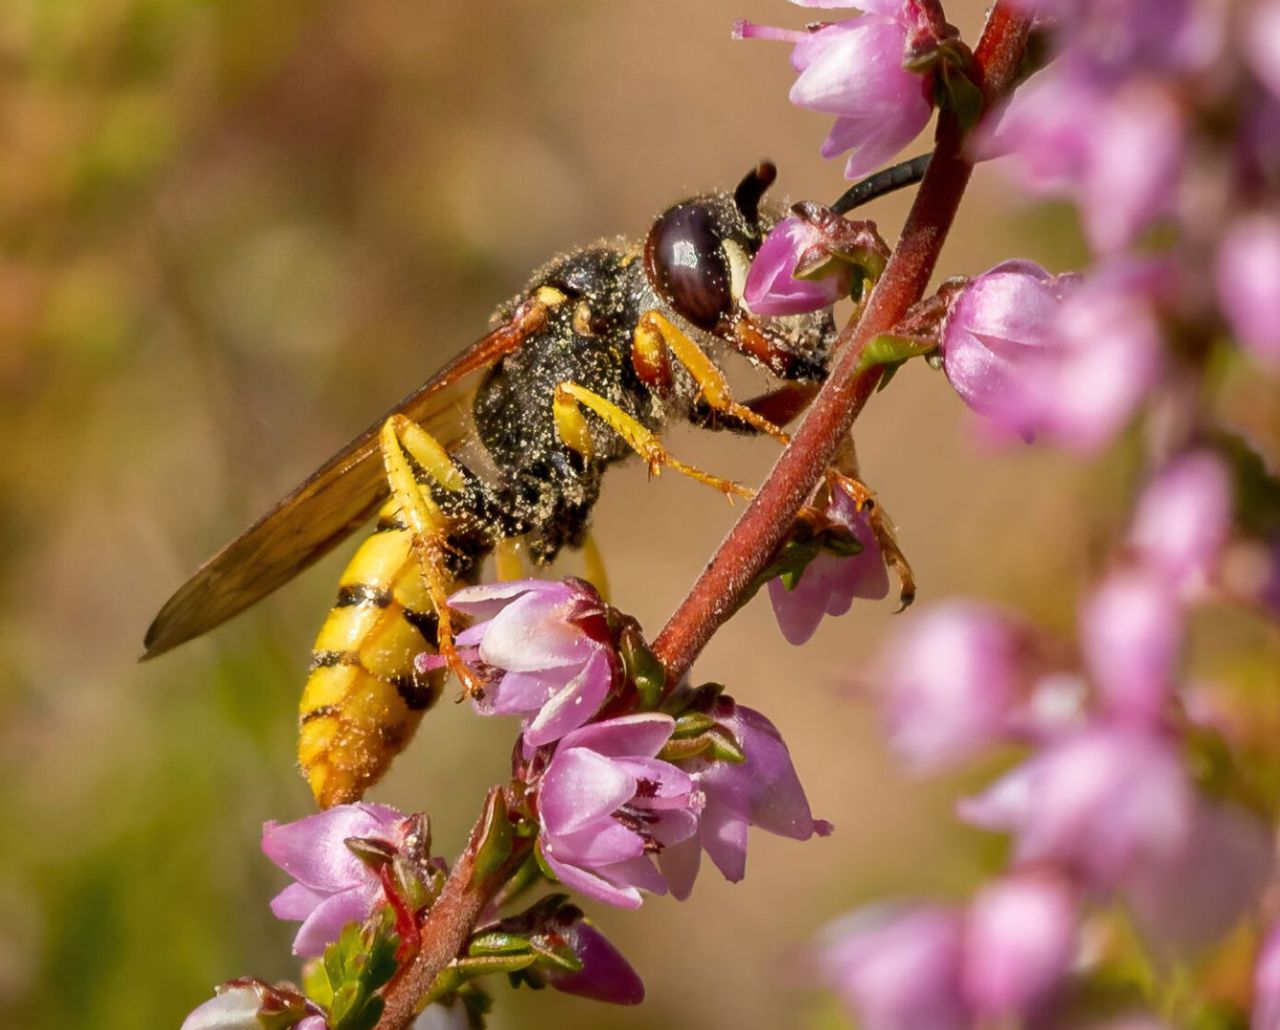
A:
(574, 703)
(326, 923)
(643, 735)
(296, 902)
(679, 864)
(580, 787)
(311, 850)
(591, 885)
(724, 838)
(596, 846)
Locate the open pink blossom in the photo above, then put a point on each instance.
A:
(1105, 802)
(1183, 521)
(1260, 40)
(949, 680)
(538, 635)
(1248, 272)
(830, 582)
(898, 967)
(333, 886)
(772, 288)
(1019, 941)
(1131, 630)
(854, 70)
(762, 791)
(607, 804)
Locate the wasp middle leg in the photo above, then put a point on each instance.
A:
(571, 427)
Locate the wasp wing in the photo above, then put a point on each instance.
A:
(331, 504)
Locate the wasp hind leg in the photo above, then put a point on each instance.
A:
(571, 427)
(428, 526)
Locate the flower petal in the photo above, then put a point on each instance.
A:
(579, 788)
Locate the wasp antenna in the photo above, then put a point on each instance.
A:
(751, 189)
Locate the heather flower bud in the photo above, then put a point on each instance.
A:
(898, 968)
(1019, 941)
(949, 681)
(251, 1004)
(1183, 520)
(1248, 274)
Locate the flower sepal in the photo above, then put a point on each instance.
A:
(354, 968)
(641, 666)
(248, 1003)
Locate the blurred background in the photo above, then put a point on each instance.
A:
(231, 233)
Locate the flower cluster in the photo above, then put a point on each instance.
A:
(1104, 809)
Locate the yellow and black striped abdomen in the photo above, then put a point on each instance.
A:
(363, 697)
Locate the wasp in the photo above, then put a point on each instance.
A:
(604, 347)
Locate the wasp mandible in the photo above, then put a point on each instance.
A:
(603, 348)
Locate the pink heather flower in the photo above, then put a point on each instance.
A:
(898, 968)
(1131, 630)
(854, 70)
(1106, 802)
(556, 673)
(1260, 39)
(1055, 357)
(1117, 151)
(763, 791)
(1183, 520)
(772, 288)
(1266, 983)
(333, 886)
(949, 679)
(830, 582)
(1190, 898)
(606, 803)
(1248, 279)
(1019, 942)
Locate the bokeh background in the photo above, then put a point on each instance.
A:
(231, 232)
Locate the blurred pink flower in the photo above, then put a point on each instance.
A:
(1105, 802)
(1266, 983)
(1260, 40)
(898, 968)
(854, 70)
(606, 804)
(948, 681)
(762, 791)
(1248, 277)
(334, 887)
(1131, 630)
(830, 582)
(555, 673)
(1183, 520)
(1019, 942)
(772, 288)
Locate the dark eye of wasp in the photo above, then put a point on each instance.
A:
(687, 265)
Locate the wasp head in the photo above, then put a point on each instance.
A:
(696, 258)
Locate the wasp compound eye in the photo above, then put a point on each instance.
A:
(687, 266)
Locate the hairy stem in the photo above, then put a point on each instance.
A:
(449, 922)
(764, 524)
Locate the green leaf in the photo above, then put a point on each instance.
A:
(495, 838)
(891, 351)
(497, 942)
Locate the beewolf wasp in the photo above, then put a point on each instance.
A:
(604, 347)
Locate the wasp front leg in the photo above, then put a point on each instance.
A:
(657, 339)
(571, 427)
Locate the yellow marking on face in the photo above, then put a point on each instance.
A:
(550, 296)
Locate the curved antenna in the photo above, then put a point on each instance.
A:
(749, 191)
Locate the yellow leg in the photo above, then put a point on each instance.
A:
(595, 572)
(570, 398)
(655, 331)
(508, 559)
(427, 525)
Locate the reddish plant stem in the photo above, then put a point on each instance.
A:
(449, 923)
(742, 556)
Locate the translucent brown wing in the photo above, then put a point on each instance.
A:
(331, 504)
